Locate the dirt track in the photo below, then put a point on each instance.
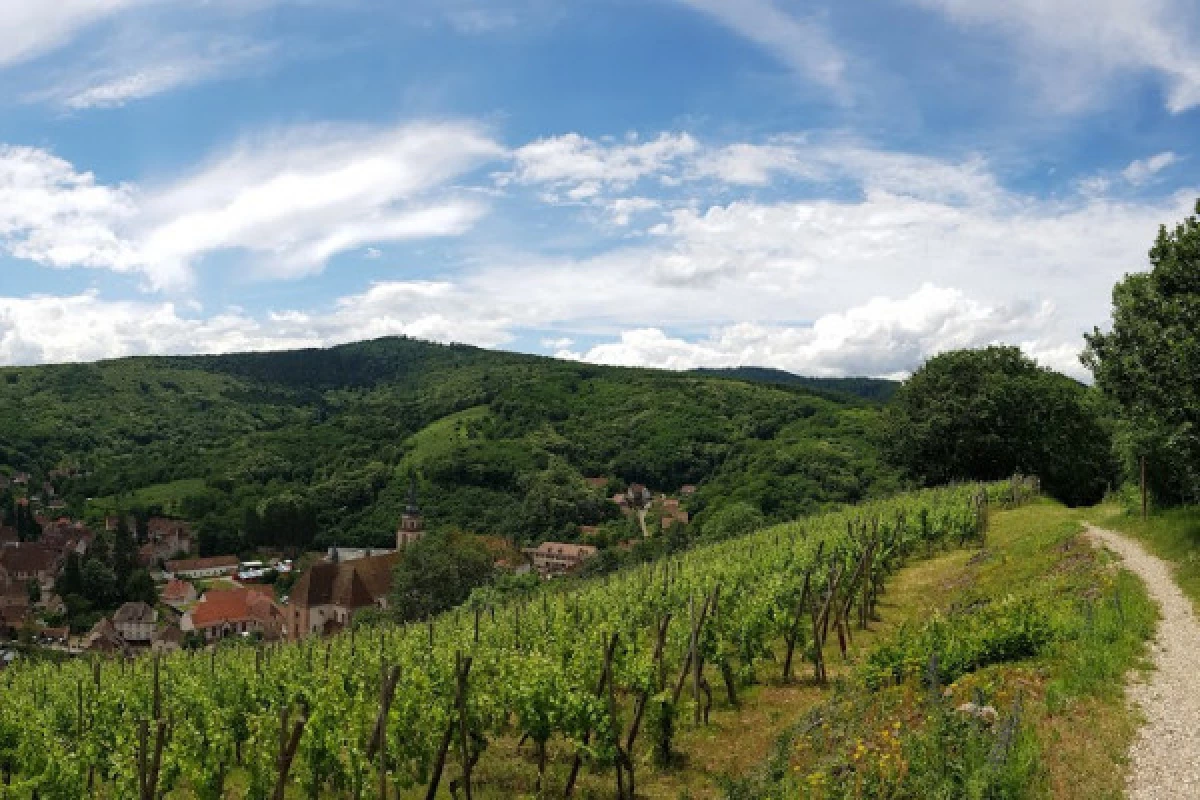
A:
(1165, 756)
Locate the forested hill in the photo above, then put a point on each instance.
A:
(317, 446)
(878, 389)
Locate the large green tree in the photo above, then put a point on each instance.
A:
(1149, 363)
(438, 572)
(986, 414)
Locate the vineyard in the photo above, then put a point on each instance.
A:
(608, 669)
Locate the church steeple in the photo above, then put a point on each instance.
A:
(411, 524)
(412, 508)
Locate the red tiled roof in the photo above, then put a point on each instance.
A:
(28, 557)
(177, 590)
(219, 606)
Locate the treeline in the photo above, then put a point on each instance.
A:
(984, 414)
(1148, 366)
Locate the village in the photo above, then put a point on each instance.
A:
(200, 601)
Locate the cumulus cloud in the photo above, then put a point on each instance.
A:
(57, 216)
(291, 201)
(41, 329)
(623, 209)
(883, 337)
(1074, 46)
(85, 327)
(572, 167)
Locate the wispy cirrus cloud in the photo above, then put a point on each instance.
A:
(30, 28)
(160, 64)
(802, 43)
(289, 200)
(1074, 47)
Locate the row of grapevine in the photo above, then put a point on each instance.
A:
(610, 667)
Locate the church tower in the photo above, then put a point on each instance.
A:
(411, 525)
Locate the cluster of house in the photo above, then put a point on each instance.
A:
(322, 601)
(45, 499)
(638, 497)
(28, 569)
(225, 609)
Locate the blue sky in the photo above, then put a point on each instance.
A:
(829, 188)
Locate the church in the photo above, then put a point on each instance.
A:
(325, 598)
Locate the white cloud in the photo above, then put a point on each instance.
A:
(84, 327)
(883, 337)
(146, 66)
(575, 168)
(1144, 169)
(41, 329)
(59, 217)
(916, 255)
(581, 167)
(623, 209)
(29, 28)
(802, 44)
(372, 253)
(1076, 46)
(291, 200)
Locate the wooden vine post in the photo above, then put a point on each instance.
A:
(287, 750)
(605, 677)
(378, 743)
(794, 632)
(462, 670)
(461, 702)
(149, 766)
(639, 707)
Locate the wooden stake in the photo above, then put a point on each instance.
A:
(287, 750)
(605, 676)
(463, 668)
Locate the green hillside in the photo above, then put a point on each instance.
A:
(879, 389)
(316, 446)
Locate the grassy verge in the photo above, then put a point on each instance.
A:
(1173, 535)
(1037, 631)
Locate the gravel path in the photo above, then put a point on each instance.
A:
(1165, 756)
